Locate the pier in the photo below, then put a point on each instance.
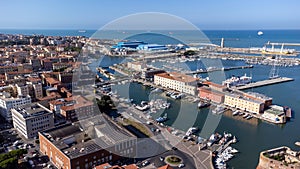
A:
(220, 69)
(264, 83)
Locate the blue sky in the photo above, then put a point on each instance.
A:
(210, 14)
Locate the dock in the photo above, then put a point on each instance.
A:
(264, 83)
(219, 69)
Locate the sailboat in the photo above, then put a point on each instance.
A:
(274, 72)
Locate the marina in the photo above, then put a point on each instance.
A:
(242, 121)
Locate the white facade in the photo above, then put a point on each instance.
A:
(22, 90)
(7, 103)
(32, 119)
(176, 81)
(275, 114)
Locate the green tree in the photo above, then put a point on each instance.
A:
(105, 104)
(10, 160)
(9, 163)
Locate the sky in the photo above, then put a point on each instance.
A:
(94, 14)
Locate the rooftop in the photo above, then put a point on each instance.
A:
(32, 110)
(275, 109)
(259, 95)
(86, 137)
(240, 95)
(108, 166)
(178, 77)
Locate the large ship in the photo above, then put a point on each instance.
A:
(237, 81)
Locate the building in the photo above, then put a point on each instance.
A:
(207, 93)
(81, 109)
(166, 167)
(177, 81)
(149, 74)
(108, 166)
(87, 144)
(36, 64)
(281, 157)
(137, 66)
(151, 47)
(22, 89)
(30, 119)
(72, 108)
(240, 101)
(7, 103)
(274, 114)
(251, 102)
(35, 87)
(260, 97)
(215, 86)
(130, 44)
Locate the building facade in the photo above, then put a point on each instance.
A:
(211, 95)
(31, 119)
(73, 108)
(7, 103)
(70, 147)
(177, 81)
(244, 103)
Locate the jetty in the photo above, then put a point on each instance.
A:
(213, 69)
(264, 83)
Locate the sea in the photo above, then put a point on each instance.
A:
(254, 135)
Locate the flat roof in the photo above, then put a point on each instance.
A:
(86, 136)
(32, 110)
(275, 109)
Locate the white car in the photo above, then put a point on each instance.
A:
(145, 163)
(181, 165)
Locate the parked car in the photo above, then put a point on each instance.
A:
(145, 163)
(181, 165)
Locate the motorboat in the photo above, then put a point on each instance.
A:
(191, 131)
(161, 119)
(235, 113)
(203, 104)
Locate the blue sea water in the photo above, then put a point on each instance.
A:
(233, 38)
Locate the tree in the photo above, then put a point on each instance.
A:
(105, 104)
(9, 163)
(10, 160)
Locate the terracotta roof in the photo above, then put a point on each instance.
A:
(77, 105)
(80, 102)
(166, 167)
(178, 77)
(213, 84)
(108, 166)
(52, 81)
(34, 79)
(20, 72)
(50, 97)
